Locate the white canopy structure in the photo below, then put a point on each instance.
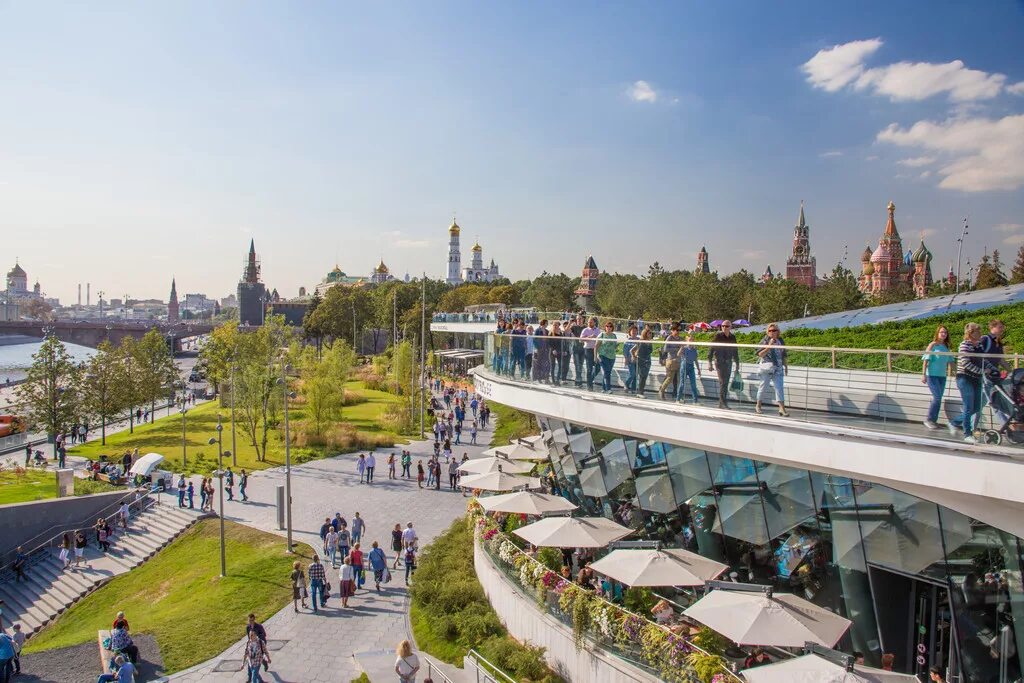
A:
(486, 465)
(146, 464)
(498, 481)
(816, 669)
(572, 532)
(650, 567)
(526, 503)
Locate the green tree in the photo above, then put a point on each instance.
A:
(131, 396)
(104, 387)
(50, 392)
(550, 292)
(156, 369)
(259, 355)
(990, 272)
(219, 351)
(837, 292)
(1017, 273)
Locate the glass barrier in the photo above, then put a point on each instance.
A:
(970, 396)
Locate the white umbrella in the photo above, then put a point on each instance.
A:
(145, 465)
(649, 567)
(526, 503)
(485, 465)
(572, 532)
(816, 669)
(531, 441)
(498, 481)
(761, 618)
(522, 452)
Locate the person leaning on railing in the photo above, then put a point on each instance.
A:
(724, 357)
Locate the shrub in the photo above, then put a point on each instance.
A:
(550, 558)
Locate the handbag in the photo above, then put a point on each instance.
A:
(737, 382)
(387, 575)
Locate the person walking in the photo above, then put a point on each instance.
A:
(724, 357)
(103, 534)
(256, 655)
(391, 466)
(191, 492)
(934, 371)
(324, 529)
(689, 370)
(576, 328)
(994, 369)
(361, 467)
(243, 481)
(588, 336)
(298, 578)
(356, 558)
(670, 356)
(772, 367)
(406, 464)
(396, 544)
(642, 353)
(542, 361)
(66, 549)
(407, 664)
(453, 473)
(18, 638)
(472, 433)
(629, 356)
(419, 473)
(437, 471)
(332, 547)
(344, 541)
(181, 491)
(371, 464)
(969, 370)
(80, 543)
(358, 529)
(346, 581)
(317, 583)
(604, 353)
(378, 563)
(229, 484)
(410, 561)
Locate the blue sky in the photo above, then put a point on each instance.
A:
(141, 141)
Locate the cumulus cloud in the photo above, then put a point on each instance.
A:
(836, 67)
(1010, 227)
(641, 91)
(1014, 240)
(830, 154)
(833, 68)
(985, 154)
(916, 162)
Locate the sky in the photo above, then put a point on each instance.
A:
(145, 141)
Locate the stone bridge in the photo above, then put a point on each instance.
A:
(92, 332)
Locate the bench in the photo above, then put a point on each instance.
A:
(106, 656)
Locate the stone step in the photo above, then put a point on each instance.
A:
(21, 607)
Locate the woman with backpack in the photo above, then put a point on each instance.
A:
(410, 561)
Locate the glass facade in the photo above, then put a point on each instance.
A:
(923, 583)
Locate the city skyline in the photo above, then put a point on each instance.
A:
(355, 137)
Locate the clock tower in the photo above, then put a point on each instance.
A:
(801, 266)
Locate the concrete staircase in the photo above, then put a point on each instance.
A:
(50, 589)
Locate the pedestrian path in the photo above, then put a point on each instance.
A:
(322, 647)
(49, 589)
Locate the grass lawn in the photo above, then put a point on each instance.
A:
(180, 599)
(511, 424)
(38, 485)
(163, 436)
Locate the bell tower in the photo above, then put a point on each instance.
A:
(801, 266)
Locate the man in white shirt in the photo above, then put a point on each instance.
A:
(409, 537)
(589, 336)
(371, 462)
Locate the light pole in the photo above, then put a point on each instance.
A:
(220, 475)
(184, 455)
(283, 381)
(959, 251)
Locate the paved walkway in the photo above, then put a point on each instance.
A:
(320, 647)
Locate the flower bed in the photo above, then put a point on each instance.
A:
(626, 634)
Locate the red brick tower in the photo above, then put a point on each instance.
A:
(801, 266)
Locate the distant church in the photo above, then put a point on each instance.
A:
(476, 272)
(888, 267)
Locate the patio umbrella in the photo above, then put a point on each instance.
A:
(908, 538)
(717, 323)
(145, 465)
(521, 452)
(647, 567)
(741, 323)
(532, 441)
(816, 669)
(495, 451)
(526, 503)
(703, 327)
(572, 532)
(498, 481)
(485, 465)
(762, 618)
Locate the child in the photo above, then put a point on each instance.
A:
(191, 495)
(419, 472)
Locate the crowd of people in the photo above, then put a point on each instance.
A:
(577, 350)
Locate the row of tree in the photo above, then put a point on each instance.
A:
(116, 381)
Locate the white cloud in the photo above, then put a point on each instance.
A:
(836, 67)
(1014, 239)
(1010, 227)
(641, 91)
(830, 154)
(873, 157)
(916, 162)
(987, 154)
(833, 68)
(411, 244)
(925, 174)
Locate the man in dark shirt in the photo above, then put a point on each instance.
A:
(577, 349)
(518, 348)
(724, 357)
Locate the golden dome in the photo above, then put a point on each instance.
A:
(454, 229)
(477, 247)
(382, 268)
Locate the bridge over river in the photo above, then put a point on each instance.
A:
(92, 332)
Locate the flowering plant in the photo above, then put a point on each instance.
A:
(489, 534)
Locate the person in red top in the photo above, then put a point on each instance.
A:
(120, 622)
(357, 564)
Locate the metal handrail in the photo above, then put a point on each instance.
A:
(433, 673)
(480, 659)
(57, 531)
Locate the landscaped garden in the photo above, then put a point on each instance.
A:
(22, 486)
(179, 598)
(363, 424)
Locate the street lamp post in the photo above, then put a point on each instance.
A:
(959, 251)
(283, 381)
(220, 475)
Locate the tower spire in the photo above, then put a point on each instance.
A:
(801, 222)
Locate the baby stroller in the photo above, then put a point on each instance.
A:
(1008, 397)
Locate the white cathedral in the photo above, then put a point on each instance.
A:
(476, 272)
